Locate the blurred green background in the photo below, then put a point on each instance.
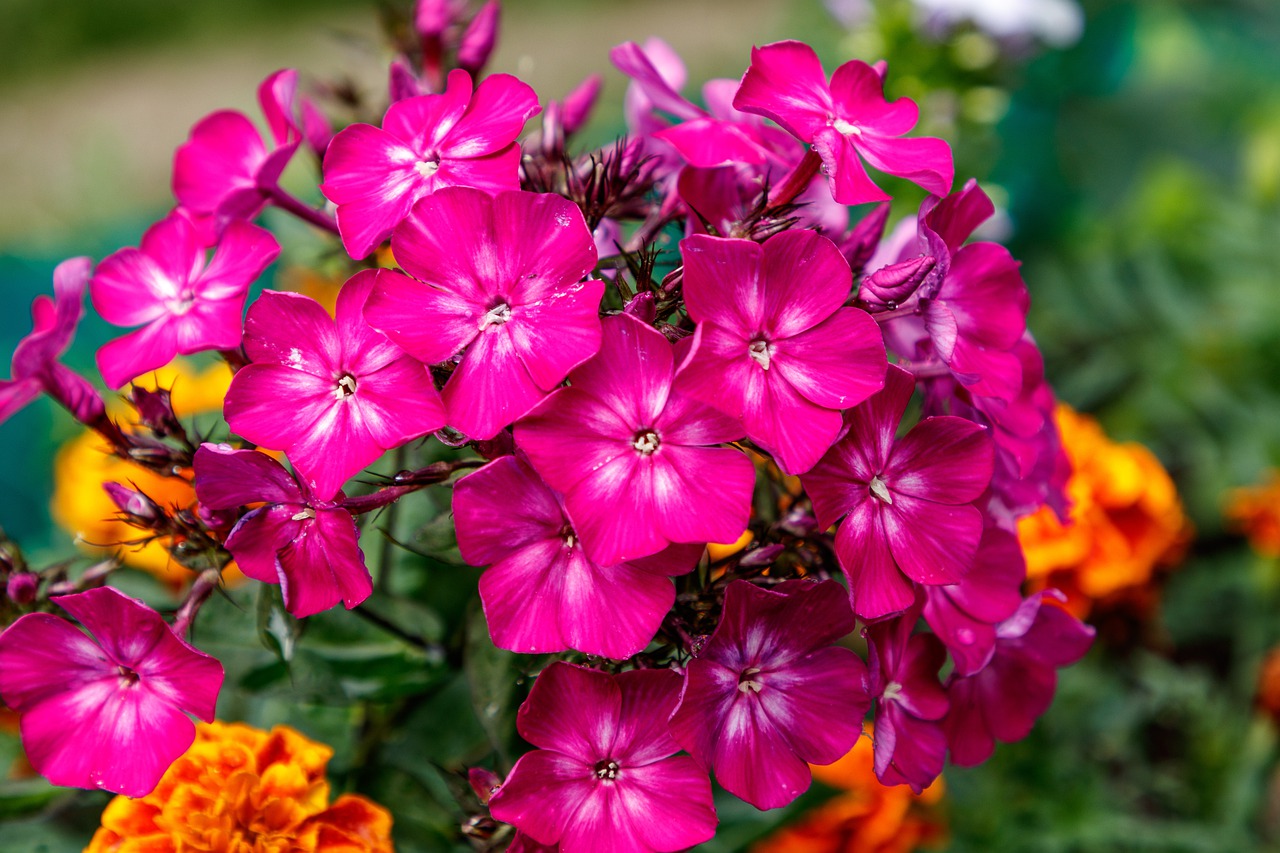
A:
(1137, 168)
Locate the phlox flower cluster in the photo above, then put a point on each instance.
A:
(683, 338)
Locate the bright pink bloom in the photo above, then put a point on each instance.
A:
(847, 120)
(499, 281)
(458, 138)
(331, 393)
(770, 694)
(1004, 700)
(35, 368)
(183, 304)
(109, 710)
(964, 615)
(226, 169)
(542, 593)
(909, 501)
(629, 452)
(774, 346)
(604, 775)
(910, 746)
(308, 546)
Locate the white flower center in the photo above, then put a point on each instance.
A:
(496, 316)
(182, 303)
(427, 168)
(647, 442)
(760, 351)
(879, 490)
(845, 128)
(304, 514)
(345, 388)
(747, 682)
(892, 691)
(607, 770)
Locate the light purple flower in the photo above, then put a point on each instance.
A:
(183, 304)
(604, 775)
(499, 280)
(458, 138)
(774, 347)
(308, 546)
(630, 452)
(847, 120)
(332, 393)
(542, 593)
(908, 502)
(770, 694)
(1004, 699)
(108, 710)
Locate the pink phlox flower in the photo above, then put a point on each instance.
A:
(227, 170)
(847, 120)
(332, 393)
(604, 775)
(629, 450)
(770, 693)
(542, 593)
(728, 199)
(35, 368)
(909, 744)
(1004, 699)
(964, 615)
(907, 502)
(108, 710)
(306, 545)
(775, 347)
(184, 303)
(498, 281)
(458, 138)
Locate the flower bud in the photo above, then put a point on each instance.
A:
(895, 283)
(576, 107)
(137, 506)
(22, 587)
(862, 241)
(479, 38)
(484, 782)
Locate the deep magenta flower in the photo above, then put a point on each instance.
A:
(35, 368)
(909, 743)
(774, 346)
(542, 593)
(108, 710)
(458, 138)
(770, 694)
(908, 502)
(308, 546)
(604, 775)
(847, 120)
(1004, 699)
(332, 393)
(499, 281)
(183, 304)
(629, 451)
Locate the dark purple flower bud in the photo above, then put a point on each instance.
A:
(155, 411)
(576, 107)
(479, 38)
(134, 504)
(22, 587)
(894, 284)
(402, 82)
(643, 307)
(484, 782)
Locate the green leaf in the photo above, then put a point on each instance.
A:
(277, 628)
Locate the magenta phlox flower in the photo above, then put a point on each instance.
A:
(183, 303)
(909, 744)
(847, 121)
(907, 503)
(1004, 699)
(629, 450)
(458, 138)
(107, 710)
(604, 775)
(308, 546)
(964, 615)
(728, 199)
(542, 593)
(35, 368)
(774, 346)
(499, 280)
(770, 694)
(332, 393)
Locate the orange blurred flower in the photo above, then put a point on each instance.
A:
(242, 790)
(1268, 699)
(82, 507)
(867, 818)
(1126, 520)
(1255, 512)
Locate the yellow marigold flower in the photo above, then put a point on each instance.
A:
(81, 506)
(242, 790)
(1255, 512)
(868, 818)
(1126, 519)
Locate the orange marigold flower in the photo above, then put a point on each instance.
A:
(1126, 519)
(81, 506)
(242, 790)
(867, 818)
(1255, 512)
